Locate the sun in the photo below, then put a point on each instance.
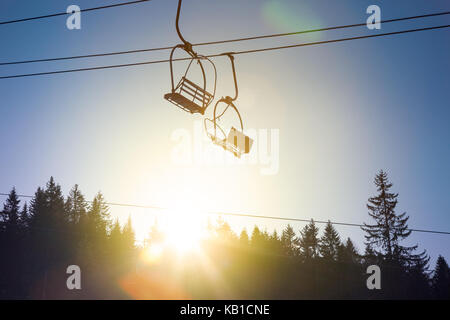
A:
(184, 231)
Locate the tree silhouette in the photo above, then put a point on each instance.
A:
(243, 239)
(39, 241)
(25, 216)
(128, 235)
(385, 236)
(441, 279)
(75, 205)
(289, 242)
(309, 242)
(10, 215)
(347, 253)
(389, 229)
(329, 243)
(10, 243)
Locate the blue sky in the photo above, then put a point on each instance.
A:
(343, 110)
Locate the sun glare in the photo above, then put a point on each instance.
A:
(183, 231)
(153, 253)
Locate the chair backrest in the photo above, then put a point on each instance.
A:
(193, 92)
(239, 140)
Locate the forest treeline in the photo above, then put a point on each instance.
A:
(40, 239)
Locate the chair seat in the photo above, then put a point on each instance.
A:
(184, 103)
(239, 141)
(228, 146)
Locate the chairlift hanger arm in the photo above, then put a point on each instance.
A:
(229, 104)
(187, 45)
(171, 65)
(231, 56)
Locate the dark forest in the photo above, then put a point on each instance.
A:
(39, 239)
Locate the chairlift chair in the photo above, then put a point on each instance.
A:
(188, 95)
(236, 141)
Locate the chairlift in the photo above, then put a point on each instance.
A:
(188, 95)
(235, 141)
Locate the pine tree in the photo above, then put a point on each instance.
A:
(441, 280)
(98, 217)
(350, 277)
(47, 212)
(389, 229)
(275, 243)
(347, 253)
(128, 243)
(243, 239)
(75, 205)
(289, 242)
(128, 235)
(96, 226)
(309, 241)
(10, 216)
(257, 238)
(55, 201)
(419, 278)
(224, 232)
(329, 243)
(116, 232)
(385, 237)
(25, 216)
(10, 245)
(40, 222)
(351, 250)
(115, 244)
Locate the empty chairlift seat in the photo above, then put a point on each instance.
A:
(189, 97)
(236, 142)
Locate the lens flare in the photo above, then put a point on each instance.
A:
(287, 18)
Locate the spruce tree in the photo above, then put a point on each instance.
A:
(329, 243)
(75, 205)
(441, 280)
(403, 268)
(10, 246)
(10, 215)
(289, 241)
(115, 242)
(25, 216)
(243, 239)
(390, 229)
(275, 243)
(55, 202)
(309, 242)
(128, 239)
(257, 238)
(61, 235)
(98, 217)
(224, 232)
(116, 232)
(96, 225)
(419, 278)
(347, 253)
(128, 235)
